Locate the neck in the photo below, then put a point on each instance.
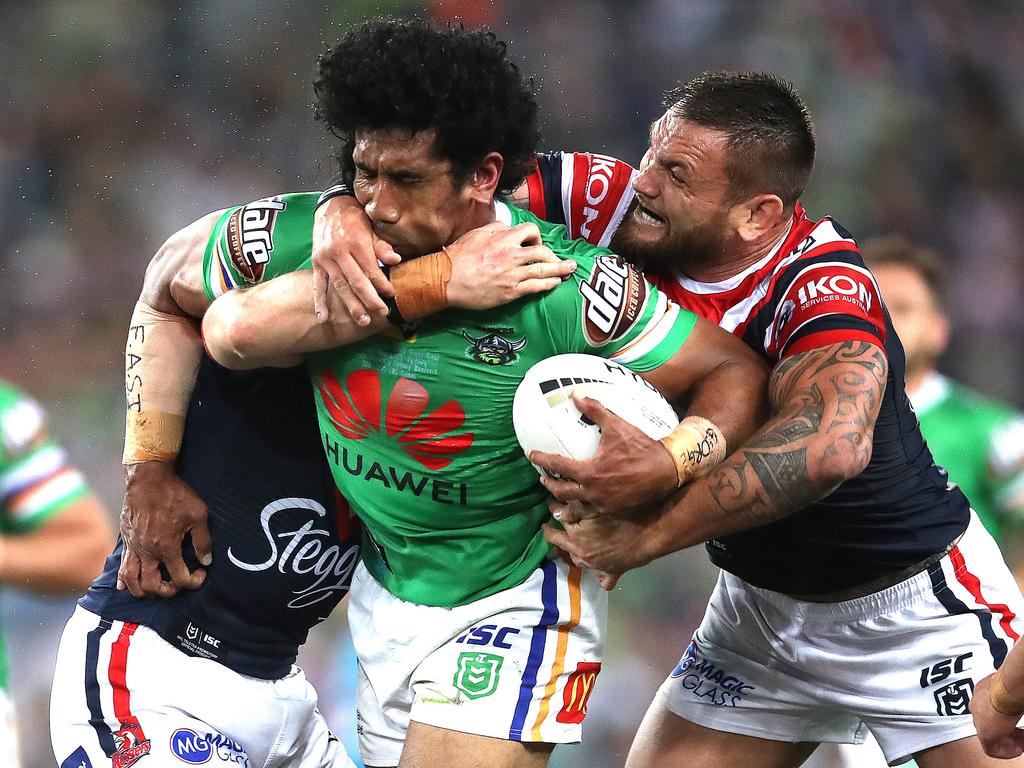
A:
(732, 262)
(477, 215)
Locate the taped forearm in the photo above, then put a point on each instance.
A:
(696, 446)
(1004, 701)
(161, 361)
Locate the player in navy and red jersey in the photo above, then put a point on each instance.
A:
(207, 674)
(859, 592)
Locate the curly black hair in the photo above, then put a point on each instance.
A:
(406, 73)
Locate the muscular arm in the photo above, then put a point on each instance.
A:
(80, 533)
(825, 403)
(273, 324)
(162, 357)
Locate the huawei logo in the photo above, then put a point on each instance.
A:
(355, 412)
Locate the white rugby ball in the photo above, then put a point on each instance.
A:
(546, 419)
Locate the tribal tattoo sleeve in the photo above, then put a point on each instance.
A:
(824, 402)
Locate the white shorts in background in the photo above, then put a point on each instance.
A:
(518, 665)
(8, 732)
(901, 662)
(121, 693)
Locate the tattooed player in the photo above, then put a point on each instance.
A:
(858, 590)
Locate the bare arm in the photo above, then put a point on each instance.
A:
(825, 403)
(82, 535)
(161, 361)
(275, 323)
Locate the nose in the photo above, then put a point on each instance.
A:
(644, 183)
(381, 207)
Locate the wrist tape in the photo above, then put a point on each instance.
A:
(696, 446)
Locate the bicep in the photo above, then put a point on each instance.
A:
(704, 351)
(174, 277)
(836, 386)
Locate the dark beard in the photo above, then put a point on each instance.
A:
(675, 254)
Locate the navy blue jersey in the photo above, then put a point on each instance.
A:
(285, 545)
(811, 291)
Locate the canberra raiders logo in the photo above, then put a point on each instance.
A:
(494, 349)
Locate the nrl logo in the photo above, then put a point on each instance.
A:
(493, 349)
(954, 699)
(477, 674)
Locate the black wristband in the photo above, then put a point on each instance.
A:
(338, 187)
(407, 327)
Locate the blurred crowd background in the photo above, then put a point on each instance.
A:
(123, 120)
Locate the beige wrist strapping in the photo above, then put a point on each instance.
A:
(696, 446)
(161, 358)
(1002, 701)
(421, 285)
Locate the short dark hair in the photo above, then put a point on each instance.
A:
(897, 250)
(771, 138)
(406, 73)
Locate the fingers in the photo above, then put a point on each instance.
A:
(596, 412)
(201, 541)
(608, 580)
(131, 574)
(543, 269)
(151, 581)
(570, 513)
(321, 284)
(559, 538)
(528, 233)
(555, 465)
(386, 255)
(564, 490)
(181, 577)
(360, 290)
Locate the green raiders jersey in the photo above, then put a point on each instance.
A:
(36, 481)
(980, 443)
(418, 430)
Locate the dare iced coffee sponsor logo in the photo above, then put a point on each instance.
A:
(613, 300)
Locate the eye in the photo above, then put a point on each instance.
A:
(676, 177)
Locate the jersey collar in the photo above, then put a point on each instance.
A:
(502, 213)
(730, 283)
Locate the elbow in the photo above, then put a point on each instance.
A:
(230, 334)
(845, 459)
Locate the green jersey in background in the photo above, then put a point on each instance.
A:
(980, 443)
(36, 481)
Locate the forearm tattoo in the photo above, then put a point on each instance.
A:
(824, 404)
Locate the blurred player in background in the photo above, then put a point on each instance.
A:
(54, 533)
(980, 442)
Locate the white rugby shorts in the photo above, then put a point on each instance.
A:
(901, 663)
(517, 665)
(121, 693)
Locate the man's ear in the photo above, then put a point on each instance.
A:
(485, 177)
(756, 216)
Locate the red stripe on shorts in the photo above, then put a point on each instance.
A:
(117, 673)
(973, 585)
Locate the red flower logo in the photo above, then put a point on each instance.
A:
(355, 412)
